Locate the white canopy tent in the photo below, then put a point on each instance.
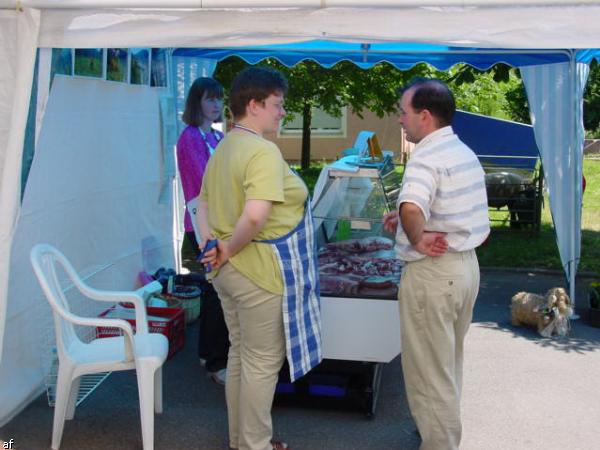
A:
(554, 90)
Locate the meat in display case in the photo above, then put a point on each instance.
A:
(358, 271)
(363, 267)
(356, 256)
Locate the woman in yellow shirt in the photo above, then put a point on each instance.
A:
(265, 267)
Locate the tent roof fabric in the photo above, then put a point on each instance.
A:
(402, 55)
(500, 25)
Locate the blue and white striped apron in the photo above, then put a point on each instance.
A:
(297, 256)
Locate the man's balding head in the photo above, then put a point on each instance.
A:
(433, 95)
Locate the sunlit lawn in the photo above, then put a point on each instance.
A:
(522, 248)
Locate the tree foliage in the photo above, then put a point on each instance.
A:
(344, 84)
(496, 92)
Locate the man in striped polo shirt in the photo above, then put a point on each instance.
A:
(443, 217)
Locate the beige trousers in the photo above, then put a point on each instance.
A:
(436, 299)
(255, 322)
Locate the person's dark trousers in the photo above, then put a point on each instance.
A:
(213, 340)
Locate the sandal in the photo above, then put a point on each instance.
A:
(277, 445)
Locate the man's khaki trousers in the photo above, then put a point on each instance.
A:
(436, 299)
(255, 322)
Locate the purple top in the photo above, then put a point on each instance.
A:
(192, 156)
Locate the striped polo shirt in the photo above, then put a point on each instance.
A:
(446, 181)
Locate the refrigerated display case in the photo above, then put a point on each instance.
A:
(358, 269)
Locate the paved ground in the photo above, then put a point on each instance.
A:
(521, 392)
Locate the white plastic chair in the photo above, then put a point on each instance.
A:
(143, 351)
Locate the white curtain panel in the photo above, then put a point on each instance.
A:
(18, 42)
(555, 94)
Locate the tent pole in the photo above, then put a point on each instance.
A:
(572, 268)
(575, 230)
(43, 88)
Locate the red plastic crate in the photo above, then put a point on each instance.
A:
(173, 328)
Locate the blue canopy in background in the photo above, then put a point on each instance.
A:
(498, 141)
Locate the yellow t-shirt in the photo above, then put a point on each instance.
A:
(248, 167)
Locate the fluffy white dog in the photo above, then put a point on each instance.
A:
(548, 314)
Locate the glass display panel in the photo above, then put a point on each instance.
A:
(356, 255)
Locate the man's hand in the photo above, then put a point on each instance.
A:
(390, 221)
(432, 243)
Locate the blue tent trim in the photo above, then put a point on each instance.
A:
(586, 56)
(402, 55)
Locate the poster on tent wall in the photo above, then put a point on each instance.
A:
(62, 62)
(93, 192)
(158, 74)
(89, 62)
(140, 66)
(116, 64)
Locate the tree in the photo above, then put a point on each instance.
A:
(518, 105)
(497, 92)
(591, 102)
(344, 84)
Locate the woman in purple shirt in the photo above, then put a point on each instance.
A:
(203, 107)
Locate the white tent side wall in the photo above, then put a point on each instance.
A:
(18, 43)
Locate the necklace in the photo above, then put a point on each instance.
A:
(205, 133)
(249, 130)
(209, 145)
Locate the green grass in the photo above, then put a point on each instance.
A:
(522, 248)
(310, 175)
(510, 248)
(590, 217)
